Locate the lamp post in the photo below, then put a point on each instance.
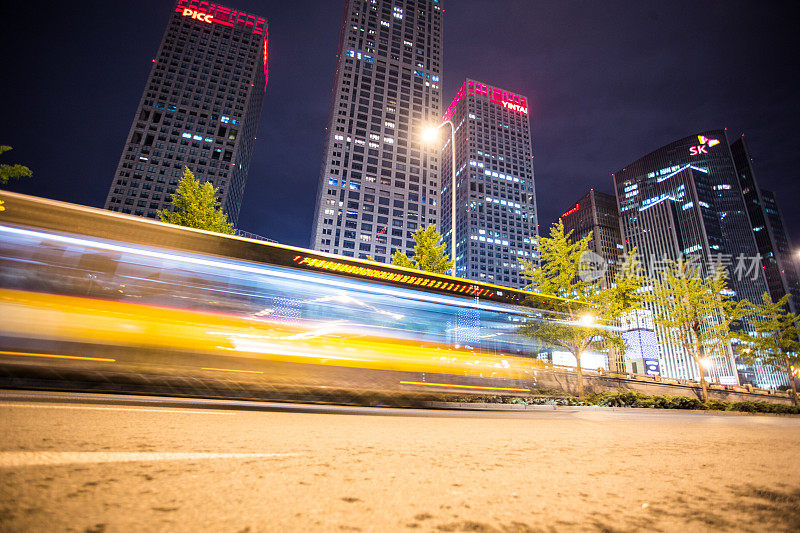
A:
(430, 135)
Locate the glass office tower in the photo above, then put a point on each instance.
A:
(379, 183)
(682, 200)
(200, 109)
(496, 221)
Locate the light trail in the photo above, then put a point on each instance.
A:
(55, 356)
(232, 370)
(20, 459)
(98, 408)
(461, 386)
(277, 272)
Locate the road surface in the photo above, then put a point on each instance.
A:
(92, 463)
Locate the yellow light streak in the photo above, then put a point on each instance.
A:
(26, 354)
(460, 386)
(232, 370)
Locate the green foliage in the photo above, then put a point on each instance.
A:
(625, 398)
(716, 405)
(557, 273)
(588, 309)
(775, 339)
(196, 206)
(696, 310)
(11, 172)
(429, 255)
(401, 259)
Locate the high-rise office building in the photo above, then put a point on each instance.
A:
(379, 182)
(769, 230)
(681, 200)
(496, 221)
(596, 212)
(200, 109)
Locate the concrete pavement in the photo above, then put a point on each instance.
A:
(96, 463)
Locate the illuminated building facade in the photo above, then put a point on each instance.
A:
(496, 220)
(684, 200)
(597, 212)
(379, 183)
(200, 109)
(769, 230)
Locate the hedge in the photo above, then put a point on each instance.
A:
(625, 398)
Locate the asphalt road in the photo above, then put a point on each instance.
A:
(92, 463)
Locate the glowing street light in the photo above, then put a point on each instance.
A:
(706, 362)
(430, 135)
(587, 319)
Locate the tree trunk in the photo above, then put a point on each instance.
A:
(704, 385)
(794, 389)
(699, 355)
(580, 376)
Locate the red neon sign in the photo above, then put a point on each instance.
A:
(198, 15)
(508, 100)
(571, 211)
(213, 13)
(705, 144)
(217, 14)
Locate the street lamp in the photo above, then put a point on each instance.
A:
(587, 319)
(430, 135)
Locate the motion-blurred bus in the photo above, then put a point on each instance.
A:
(99, 300)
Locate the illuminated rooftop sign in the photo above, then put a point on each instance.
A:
(217, 14)
(705, 144)
(508, 100)
(574, 209)
(199, 15)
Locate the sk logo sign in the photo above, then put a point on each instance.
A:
(705, 144)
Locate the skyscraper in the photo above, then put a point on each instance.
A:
(379, 182)
(496, 222)
(200, 109)
(684, 200)
(769, 230)
(597, 212)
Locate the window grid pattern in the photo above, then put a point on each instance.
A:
(379, 183)
(200, 109)
(496, 218)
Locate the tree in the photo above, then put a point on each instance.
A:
(11, 172)
(582, 316)
(197, 206)
(696, 310)
(774, 341)
(429, 255)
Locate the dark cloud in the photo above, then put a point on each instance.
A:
(607, 82)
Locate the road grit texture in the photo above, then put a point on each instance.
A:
(139, 469)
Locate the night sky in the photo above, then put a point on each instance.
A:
(607, 82)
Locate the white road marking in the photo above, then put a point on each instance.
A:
(141, 410)
(20, 459)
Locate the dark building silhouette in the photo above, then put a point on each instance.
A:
(769, 230)
(597, 212)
